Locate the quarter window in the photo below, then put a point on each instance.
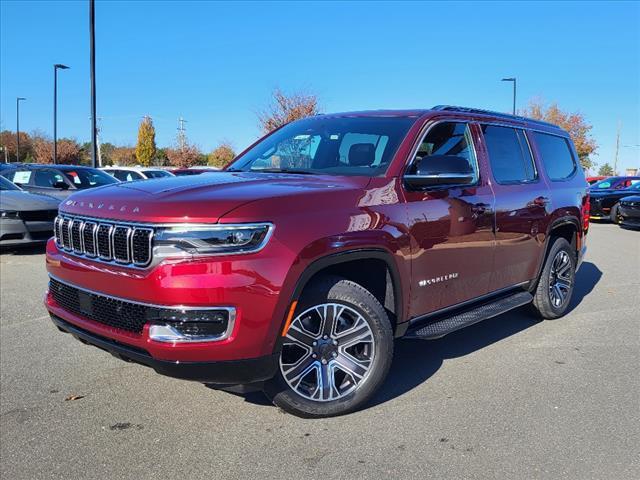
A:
(509, 154)
(556, 156)
(448, 138)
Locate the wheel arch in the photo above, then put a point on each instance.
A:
(371, 263)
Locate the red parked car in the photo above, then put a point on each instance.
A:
(295, 269)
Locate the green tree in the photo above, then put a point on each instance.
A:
(146, 147)
(606, 170)
(222, 155)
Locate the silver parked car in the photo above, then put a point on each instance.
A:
(25, 218)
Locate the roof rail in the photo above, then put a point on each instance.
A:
(452, 108)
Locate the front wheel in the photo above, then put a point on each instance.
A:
(336, 352)
(614, 217)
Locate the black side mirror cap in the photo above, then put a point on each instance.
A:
(440, 171)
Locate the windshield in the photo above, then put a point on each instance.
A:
(328, 145)
(157, 173)
(88, 178)
(7, 185)
(614, 183)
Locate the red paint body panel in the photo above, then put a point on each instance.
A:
(424, 234)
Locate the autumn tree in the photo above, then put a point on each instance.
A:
(123, 156)
(146, 147)
(221, 155)
(606, 170)
(574, 123)
(185, 156)
(287, 108)
(9, 144)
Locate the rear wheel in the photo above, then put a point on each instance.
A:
(336, 352)
(556, 283)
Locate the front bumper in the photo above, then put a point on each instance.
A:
(629, 216)
(234, 372)
(16, 232)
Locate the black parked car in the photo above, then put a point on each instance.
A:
(25, 218)
(58, 181)
(629, 210)
(605, 203)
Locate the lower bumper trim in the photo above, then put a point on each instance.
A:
(230, 372)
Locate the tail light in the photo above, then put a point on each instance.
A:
(586, 211)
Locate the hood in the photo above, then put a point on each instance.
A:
(21, 201)
(198, 198)
(631, 198)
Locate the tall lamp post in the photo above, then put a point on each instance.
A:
(18, 99)
(55, 109)
(512, 79)
(92, 59)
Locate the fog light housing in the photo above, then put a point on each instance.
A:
(192, 325)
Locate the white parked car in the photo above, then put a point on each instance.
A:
(129, 174)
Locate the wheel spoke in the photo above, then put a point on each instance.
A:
(294, 374)
(298, 335)
(360, 332)
(352, 366)
(327, 385)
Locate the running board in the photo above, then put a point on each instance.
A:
(442, 327)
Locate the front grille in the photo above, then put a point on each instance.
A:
(111, 242)
(38, 215)
(108, 311)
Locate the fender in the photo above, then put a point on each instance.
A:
(348, 256)
(564, 220)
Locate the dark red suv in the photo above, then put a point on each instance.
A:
(296, 269)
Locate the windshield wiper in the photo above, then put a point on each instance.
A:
(283, 170)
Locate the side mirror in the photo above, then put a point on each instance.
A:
(61, 185)
(440, 171)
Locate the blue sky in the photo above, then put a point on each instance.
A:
(215, 63)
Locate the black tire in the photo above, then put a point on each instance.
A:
(333, 290)
(614, 214)
(545, 297)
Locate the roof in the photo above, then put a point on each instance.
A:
(475, 112)
(36, 166)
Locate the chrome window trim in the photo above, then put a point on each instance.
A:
(231, 311)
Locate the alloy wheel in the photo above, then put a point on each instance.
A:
(327, 353)
(560, 279)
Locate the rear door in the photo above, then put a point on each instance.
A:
(451, 228)
(522, 205)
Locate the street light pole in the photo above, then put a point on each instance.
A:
(55, 109)
(92, 56)
(18, 127)
(512, 79)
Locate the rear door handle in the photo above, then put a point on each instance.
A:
(480, 208)
(541, 201)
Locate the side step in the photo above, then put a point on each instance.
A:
(443, 326)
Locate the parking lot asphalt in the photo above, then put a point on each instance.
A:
(511, 397)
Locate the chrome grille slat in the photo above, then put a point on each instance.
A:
(124, 244)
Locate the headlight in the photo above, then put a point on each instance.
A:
(8, 214)
(215, 239)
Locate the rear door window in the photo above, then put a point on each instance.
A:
(557, 156)
(509, 154)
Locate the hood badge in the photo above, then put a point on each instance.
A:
(122, 208)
